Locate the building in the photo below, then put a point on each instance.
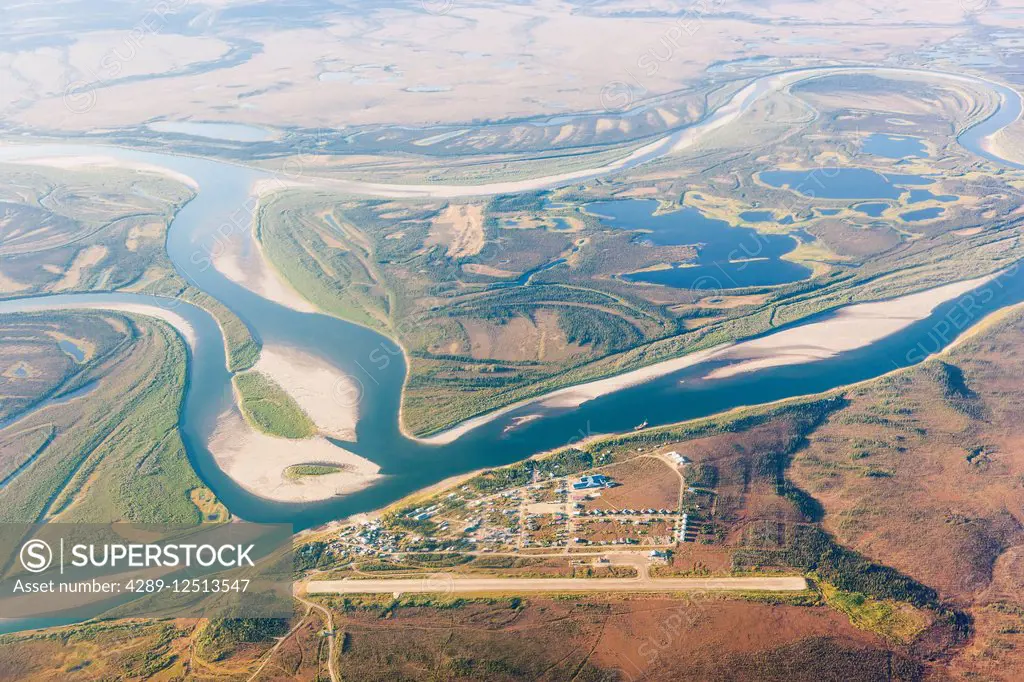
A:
(678, 459)
(591, 482)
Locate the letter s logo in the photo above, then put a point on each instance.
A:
(36, 556)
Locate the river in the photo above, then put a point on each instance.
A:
(408, 465)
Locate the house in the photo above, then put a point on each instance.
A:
(590, 482)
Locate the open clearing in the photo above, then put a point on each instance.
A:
(461, 228)
(448, 585)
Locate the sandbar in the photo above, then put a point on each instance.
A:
(257, 462)
(852, 327)
(329, 396)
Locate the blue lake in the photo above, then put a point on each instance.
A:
(894, 146)
(727, 257)
(843, 183)
(71, 349)
(873, 209)
(757, 216)
(919, 195)
(922, 214)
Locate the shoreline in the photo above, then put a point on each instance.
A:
(257, 462)
(784, 346)
(850, 328)
(576, 395)
(329, 396)
(995, 317)
(252, 460)
(86, 162)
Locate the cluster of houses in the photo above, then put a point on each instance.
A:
(423, 513)
(494, 521)
(605, 543)
(534, 523)
(579, 511)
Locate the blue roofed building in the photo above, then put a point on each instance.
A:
(590, 482)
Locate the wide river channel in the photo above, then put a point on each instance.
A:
(225, 199)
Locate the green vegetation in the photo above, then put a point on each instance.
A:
(300, 470)
(894, 621)
(561, 463)
(814, 550)
(87, 229)
(337, 281)
(220, 637)
(472, 321)
(312, 555)
(115, 453)
(269, 408)
(243, 351)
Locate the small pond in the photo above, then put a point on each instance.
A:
(894, 146)
(922, 214)
(71, 349)
(232, 132)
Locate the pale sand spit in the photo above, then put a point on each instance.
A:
(255, 274)
(573, 396)
(853, 327)
(79, 162)
(257, 462)
(329, 396)
(166, 314)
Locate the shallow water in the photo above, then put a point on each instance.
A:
(232, 132)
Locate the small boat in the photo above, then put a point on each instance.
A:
(640, 426)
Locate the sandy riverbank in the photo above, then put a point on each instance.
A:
(852, 327)
(257, 462)
(88, 162)
(247, 267)
(574, 396)
(1007, 144)
(166, 314)
(329, 396)
(240, 258)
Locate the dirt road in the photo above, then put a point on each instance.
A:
(446, 584)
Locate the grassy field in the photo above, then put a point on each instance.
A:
(72, 230)
(242, 349)
(605, 640)
(102, 442)
(922, 470)
(300, 470)
(269, 408)
(80, 229)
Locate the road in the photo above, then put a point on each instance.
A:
(445, 584)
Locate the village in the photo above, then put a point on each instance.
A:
(642, 507)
